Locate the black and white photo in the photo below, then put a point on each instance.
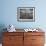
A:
(26, 14)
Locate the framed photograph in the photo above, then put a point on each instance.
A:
(26, 14)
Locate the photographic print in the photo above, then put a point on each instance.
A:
(26, 14)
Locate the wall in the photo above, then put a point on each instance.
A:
(8, 13)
